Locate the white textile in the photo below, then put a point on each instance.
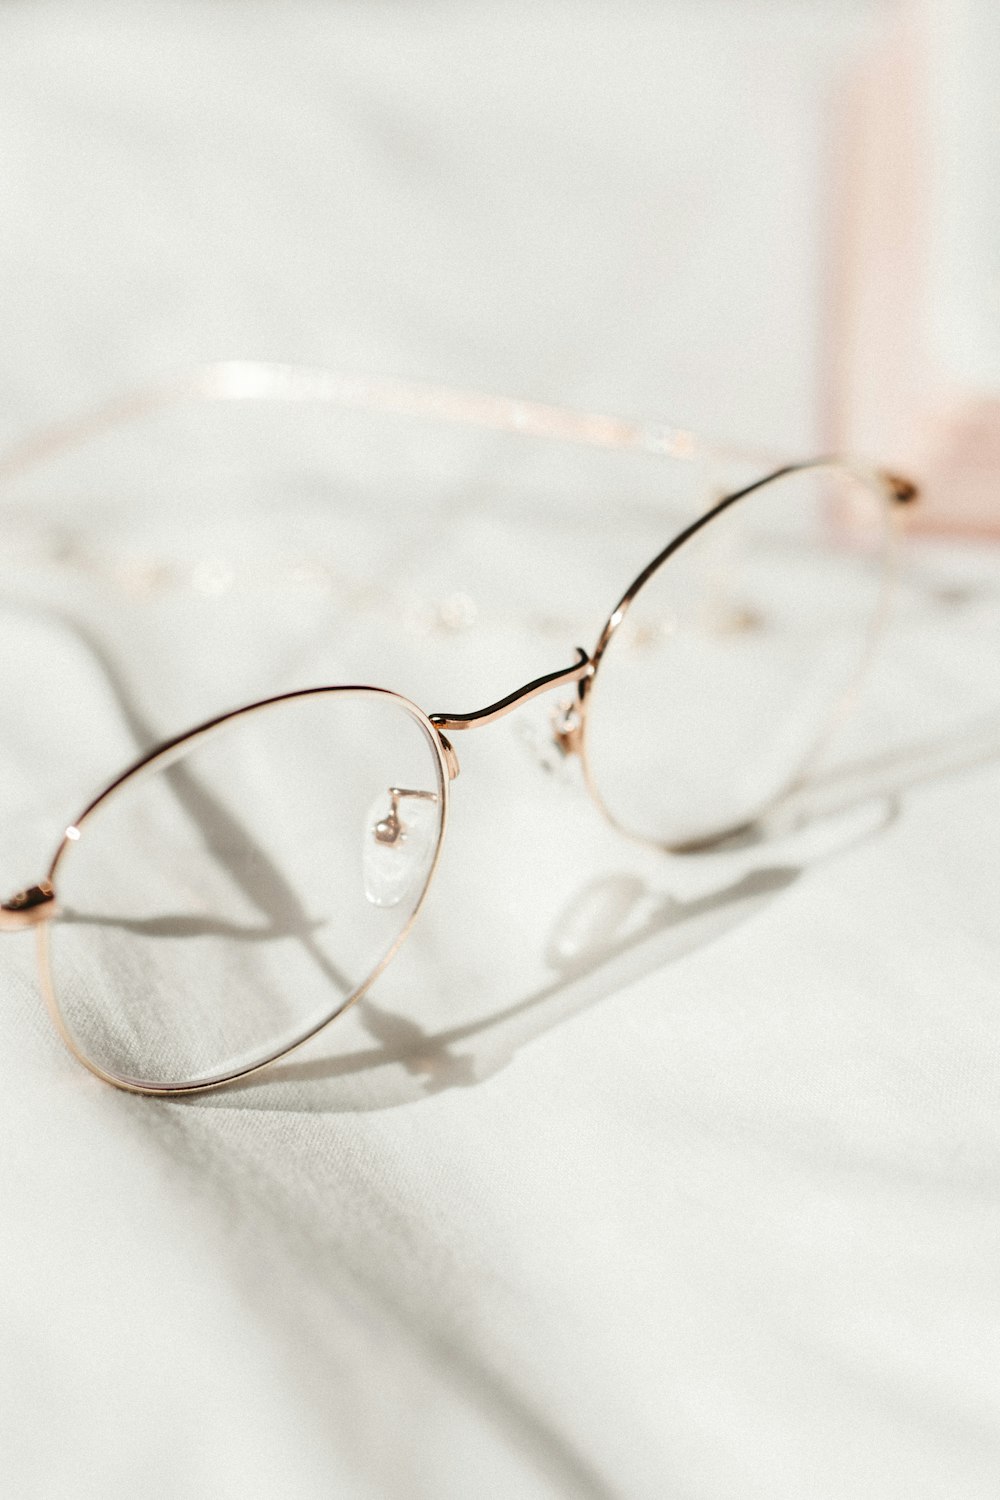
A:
(636, 1177)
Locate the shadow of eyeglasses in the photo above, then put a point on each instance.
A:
(846, 807)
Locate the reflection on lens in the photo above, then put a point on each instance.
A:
(225, 901)
(738, 659)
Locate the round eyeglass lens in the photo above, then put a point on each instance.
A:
(228, 899)
(738, 659)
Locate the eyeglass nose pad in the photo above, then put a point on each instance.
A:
(567, 727)
(399, 840)
(552, 747)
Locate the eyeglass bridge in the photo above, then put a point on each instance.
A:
(581, 671)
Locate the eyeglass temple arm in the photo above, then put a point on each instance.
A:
(240, 380)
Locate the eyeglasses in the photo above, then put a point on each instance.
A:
(191, 905)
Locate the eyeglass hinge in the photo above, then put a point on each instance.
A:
(28, 907)
(902, 490)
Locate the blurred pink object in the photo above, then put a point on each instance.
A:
(915, 352)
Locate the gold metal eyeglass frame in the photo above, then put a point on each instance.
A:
(242, 381)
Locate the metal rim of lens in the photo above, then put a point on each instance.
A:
(880, 486)
(164, 755)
